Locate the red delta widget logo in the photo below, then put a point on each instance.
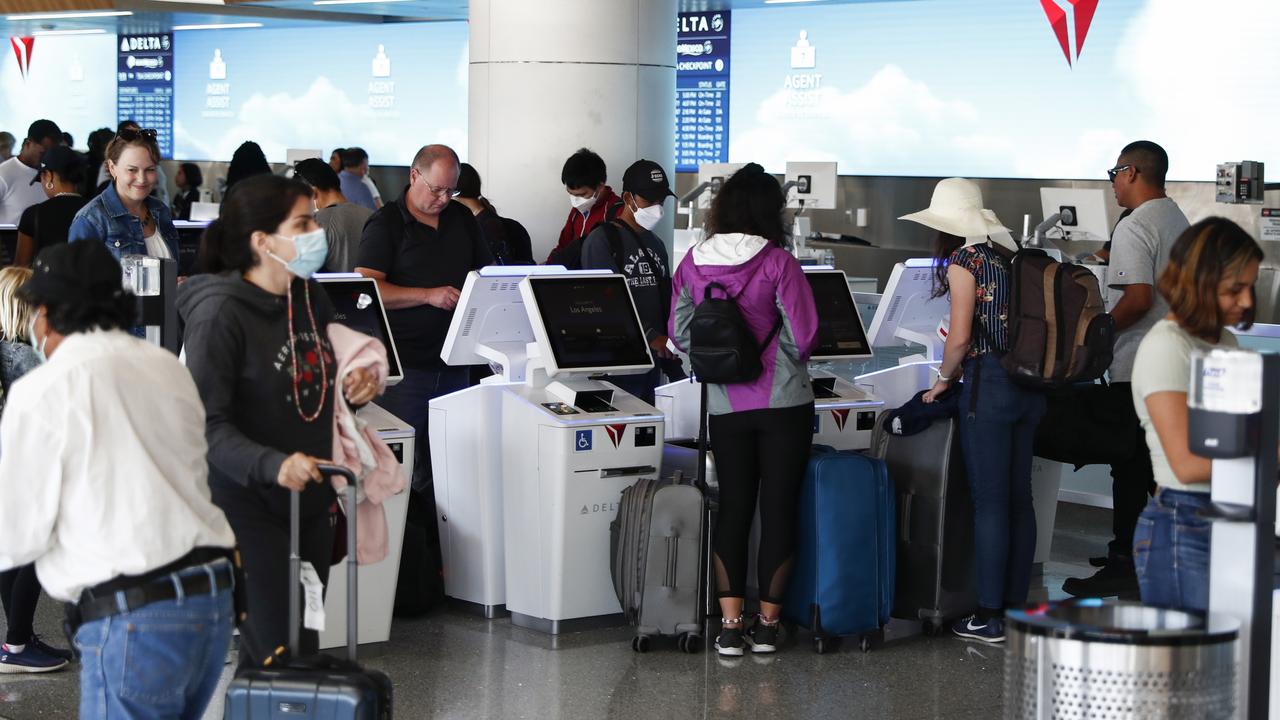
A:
(22, 49)
(1082, 12)
(616, 432)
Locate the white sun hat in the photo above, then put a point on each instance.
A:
(956, 209)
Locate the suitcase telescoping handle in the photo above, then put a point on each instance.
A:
(295, 561)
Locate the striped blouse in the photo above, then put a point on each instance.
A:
(991, 273)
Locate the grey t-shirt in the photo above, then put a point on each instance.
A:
(1139, 252)
(342, 225)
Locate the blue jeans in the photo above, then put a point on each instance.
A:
(1171, 551)
(997, 441)
(410, 401)
(159, 661)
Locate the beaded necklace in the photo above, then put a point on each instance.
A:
(293, 350)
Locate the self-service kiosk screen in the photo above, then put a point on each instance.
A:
(590, 322)
(840, 332)
(355, 302)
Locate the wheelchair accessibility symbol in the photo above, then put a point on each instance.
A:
(582, 441)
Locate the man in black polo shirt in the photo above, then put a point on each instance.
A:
(420, 248)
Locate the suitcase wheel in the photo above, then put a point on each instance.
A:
(864, 644)
(640, 643)
(824, 643)
(689, 643)
(932, 628)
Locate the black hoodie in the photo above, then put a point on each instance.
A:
(236, 340)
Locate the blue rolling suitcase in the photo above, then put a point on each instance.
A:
(292, 688)
(843, 578)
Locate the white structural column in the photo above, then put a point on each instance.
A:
(551, 76)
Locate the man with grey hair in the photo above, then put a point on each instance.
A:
(420, 248)
(7, 141)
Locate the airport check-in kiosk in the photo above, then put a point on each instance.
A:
(844, 414)
(358, 305)
(1232, 419)
(490, 325)
(571, 444)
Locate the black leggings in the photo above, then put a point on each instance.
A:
(263, 540)
(20, 591)
(759, 454)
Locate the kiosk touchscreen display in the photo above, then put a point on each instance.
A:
(355, 303)
(840, 332)
(590, 322)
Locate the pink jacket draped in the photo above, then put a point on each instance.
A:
(357, 447)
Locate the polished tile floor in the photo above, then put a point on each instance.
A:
(450, 665)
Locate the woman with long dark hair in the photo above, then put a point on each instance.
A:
(998, 418)
(248, 160)
(257, 345)
(1208, 284)
(760, 431)
(188, 180)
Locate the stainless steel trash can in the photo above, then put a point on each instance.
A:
(1115, 660)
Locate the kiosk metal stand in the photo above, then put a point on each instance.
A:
(1234, 419)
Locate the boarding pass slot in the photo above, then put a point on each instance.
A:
(633, 471)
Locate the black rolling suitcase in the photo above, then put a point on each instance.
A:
(314, 687)
(935, 523)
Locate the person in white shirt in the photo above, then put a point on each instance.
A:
(16, 191)
(104, 482)
(1208, 285)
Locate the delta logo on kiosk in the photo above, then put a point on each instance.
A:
(22, 49)
(616, 433)
(1082, 10)
(841, 417)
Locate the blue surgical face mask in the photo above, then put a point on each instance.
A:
(310, 250)
(31, 337)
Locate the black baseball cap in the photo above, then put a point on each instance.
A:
(42, 130)
(647, 179)
(59, 159)
(73, 272)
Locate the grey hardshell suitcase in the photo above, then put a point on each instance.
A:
(661, 554)
(657, 560)
(935, 522)
(318, 687)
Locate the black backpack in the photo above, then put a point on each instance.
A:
(570, 256)
(722, 348)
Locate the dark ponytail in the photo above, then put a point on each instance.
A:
(943, 246)
(259, 203)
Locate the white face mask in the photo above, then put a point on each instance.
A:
(582, 204)
(648, 217)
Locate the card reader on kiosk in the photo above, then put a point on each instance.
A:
(844, 414)
(490, 326)
(571, 444)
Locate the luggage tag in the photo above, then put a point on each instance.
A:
(313, 598)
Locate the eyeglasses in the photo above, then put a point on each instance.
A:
(1115, 171)
(129, 134)
(440, 191)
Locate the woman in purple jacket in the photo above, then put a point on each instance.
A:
(761, 431)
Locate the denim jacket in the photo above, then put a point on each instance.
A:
(104, 219)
